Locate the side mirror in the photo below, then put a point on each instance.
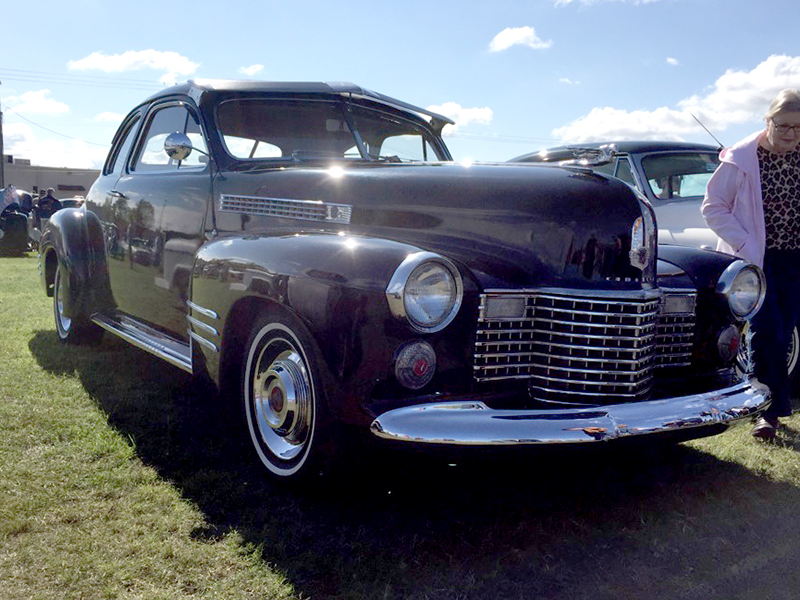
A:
(178, 146)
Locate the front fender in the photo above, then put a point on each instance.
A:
(73, 239)
(334, 284)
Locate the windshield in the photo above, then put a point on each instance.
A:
(672, 176)
(300, 130)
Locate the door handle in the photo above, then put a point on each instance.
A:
(116, 194)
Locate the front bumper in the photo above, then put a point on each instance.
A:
(472, 423)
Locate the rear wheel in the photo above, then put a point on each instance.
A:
(72, 330)
(281, 394)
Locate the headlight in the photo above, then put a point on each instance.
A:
(426, 290)
(743, 286)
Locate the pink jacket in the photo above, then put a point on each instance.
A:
(733, 206)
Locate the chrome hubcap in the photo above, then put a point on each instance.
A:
(282, 401)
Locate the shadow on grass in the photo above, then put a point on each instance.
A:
(604, 523)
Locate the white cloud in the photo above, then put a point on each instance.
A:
(462, 116)
(568, 81)
(518, 36)
(673, 61)
(172, 64)
(251, 70)
(736, 98)
(35, 103)
(20, 140)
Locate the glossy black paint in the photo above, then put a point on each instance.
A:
(156, 247)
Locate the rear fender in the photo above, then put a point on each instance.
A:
(73, 239)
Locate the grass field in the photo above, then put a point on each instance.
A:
(122, 478)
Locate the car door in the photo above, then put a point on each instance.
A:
(159, 205)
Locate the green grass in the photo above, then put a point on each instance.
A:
(120, 477)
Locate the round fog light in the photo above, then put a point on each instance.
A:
(728, 343)
(415, 365)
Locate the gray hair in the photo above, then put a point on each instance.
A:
(787, 100)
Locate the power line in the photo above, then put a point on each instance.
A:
(57, 133)
(81, 80)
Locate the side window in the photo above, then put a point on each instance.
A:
(167, 120)
(624, 172)
(119, 154)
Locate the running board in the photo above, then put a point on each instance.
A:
(173, 351)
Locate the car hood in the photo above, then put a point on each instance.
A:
(682, 223)
(510, 225)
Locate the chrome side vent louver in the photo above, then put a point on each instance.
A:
(309, 210)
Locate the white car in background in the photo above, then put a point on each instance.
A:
(672, 176)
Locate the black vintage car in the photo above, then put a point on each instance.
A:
(313, 250)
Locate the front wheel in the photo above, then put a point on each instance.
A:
(792, 359)
(281, 394)
(71, 330)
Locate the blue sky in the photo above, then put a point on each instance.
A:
(517, 76)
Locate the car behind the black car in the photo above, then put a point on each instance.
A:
(313, 249)
(673, 177)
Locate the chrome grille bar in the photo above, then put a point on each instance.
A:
(579, 348)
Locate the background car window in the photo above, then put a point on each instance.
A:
(624, 171)
(679, 175)
(120, 153)
(608, 168)
(175, 118)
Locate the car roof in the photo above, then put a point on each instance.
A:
(624, 146)
(199, 87)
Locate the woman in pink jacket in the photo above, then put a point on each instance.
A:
(752, 203)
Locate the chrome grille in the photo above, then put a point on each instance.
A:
(674, 340)
(309, 210)
(574, 348)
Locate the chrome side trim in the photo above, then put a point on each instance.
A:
(309, 210)
(174, 352)
(203, 341)
(204, 326)
(473, 423)
(207, 312)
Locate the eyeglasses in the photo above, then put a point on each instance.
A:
(795, 129)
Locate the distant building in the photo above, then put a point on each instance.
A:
(66, 182)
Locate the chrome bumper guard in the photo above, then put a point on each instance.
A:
(472, 423)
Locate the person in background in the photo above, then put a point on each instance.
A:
(752, 203)
(48, 204)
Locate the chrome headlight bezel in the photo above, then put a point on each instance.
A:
(407, 297)
(743, 286)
